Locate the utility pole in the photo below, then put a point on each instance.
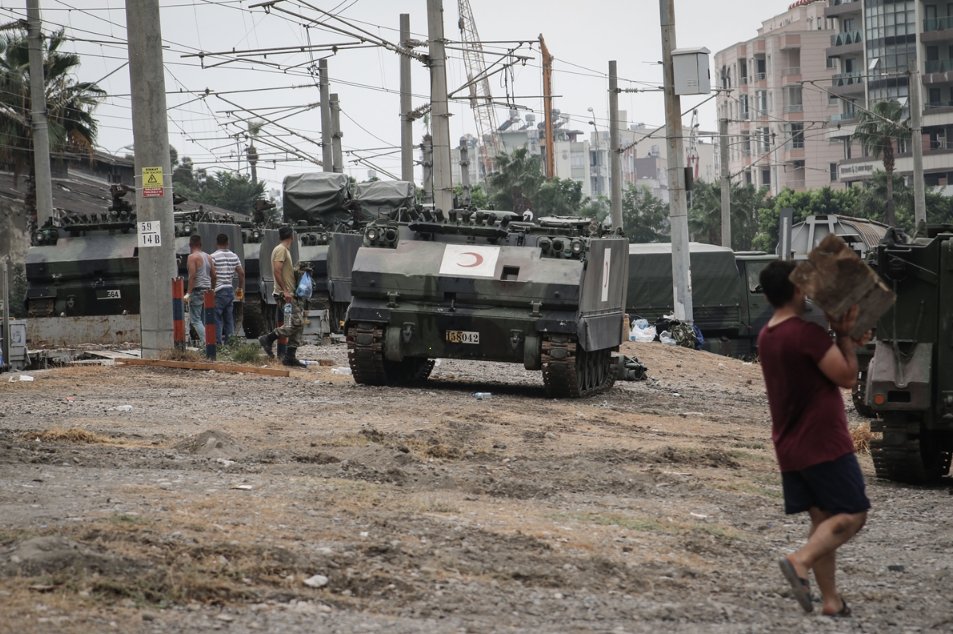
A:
(336, 135)
(43, 181)
(150, 130)
(426, 149)
(252, 152)
(725, 183)
(440, 111)
(615, 157)
(327, 155)
(548, 108)
(406, 106)
(678, 203)
(916, 117)
(5, 325)
(465, 172)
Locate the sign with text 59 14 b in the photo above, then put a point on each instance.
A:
(149, 234)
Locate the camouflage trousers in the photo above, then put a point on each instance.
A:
(293, 329)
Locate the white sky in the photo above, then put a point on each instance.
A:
(582, 36)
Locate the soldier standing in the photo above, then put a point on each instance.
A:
(284, 274)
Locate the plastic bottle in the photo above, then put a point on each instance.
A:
(287, 312)
(482, 395)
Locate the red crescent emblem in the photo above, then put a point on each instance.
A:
(477, 260)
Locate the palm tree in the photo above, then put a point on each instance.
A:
(516, 182)
(878, 131)
(69, 104)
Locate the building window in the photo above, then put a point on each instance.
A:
(797, 136)
(766, 176)
(833, 167)
(765, 139)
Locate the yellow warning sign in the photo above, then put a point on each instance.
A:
(152, 182)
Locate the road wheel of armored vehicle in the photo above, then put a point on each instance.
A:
(253, 322)
(571, 372)
(906, 452)
(365, 355)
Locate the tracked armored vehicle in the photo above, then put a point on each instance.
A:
(483, 285)
(909, 381)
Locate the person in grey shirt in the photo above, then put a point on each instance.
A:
(201, 278)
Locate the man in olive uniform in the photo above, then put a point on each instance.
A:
(284, 274)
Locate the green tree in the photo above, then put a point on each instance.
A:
(644, 216)
(558, 197)
(879, 131)
(232, 192)
(704, 214)
(516, 181)
(69, 104)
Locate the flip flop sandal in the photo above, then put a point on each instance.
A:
(843, 613)
(800, 586)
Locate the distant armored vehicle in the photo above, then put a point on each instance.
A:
(909, 381)
(329, 216)
(728, 305)
(483, 285)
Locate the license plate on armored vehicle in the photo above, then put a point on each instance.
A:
(463, 336)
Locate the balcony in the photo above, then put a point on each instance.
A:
(791, 71)
(937, 24)
(844, 117)
(938, 71)
(760, 77)
(847, 83)
(846, 43)
(838, 8)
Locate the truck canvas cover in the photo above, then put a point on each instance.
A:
(316, 198)
(382, 196)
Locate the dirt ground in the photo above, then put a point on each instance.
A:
(150, 500)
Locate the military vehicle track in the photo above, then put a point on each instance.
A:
(571, 372)
(365, 355)
(906, 453)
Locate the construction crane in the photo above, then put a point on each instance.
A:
(481, 100)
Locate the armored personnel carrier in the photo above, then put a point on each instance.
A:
(909, 381)
(484, 285)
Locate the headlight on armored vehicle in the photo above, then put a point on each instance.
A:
(544, 244)
(372, 234)
(577, 247)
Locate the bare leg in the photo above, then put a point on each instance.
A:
(828, 533)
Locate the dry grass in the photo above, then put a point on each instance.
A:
(74, 435)
(861, 436)
(182, 355)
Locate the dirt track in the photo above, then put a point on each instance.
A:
(211, 502)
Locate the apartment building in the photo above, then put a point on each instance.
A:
(881, 49)
(776, 98)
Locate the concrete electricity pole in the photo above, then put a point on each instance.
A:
(327, 155)
(916, 115)
(426, 148)
(725, 184)
(406, 106)
(336, 133)
(678, 202)
(440, 111)
(615, 157)
(156, 237)
(43, 182)
(465, 172)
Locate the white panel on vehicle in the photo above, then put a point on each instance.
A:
(469, 260)
(606, 269)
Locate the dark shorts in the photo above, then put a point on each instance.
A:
(835, 487)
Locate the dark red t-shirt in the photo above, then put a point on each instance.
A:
(807, 409)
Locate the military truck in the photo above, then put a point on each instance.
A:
(472, 284)
(728, 305)
(909, 380)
